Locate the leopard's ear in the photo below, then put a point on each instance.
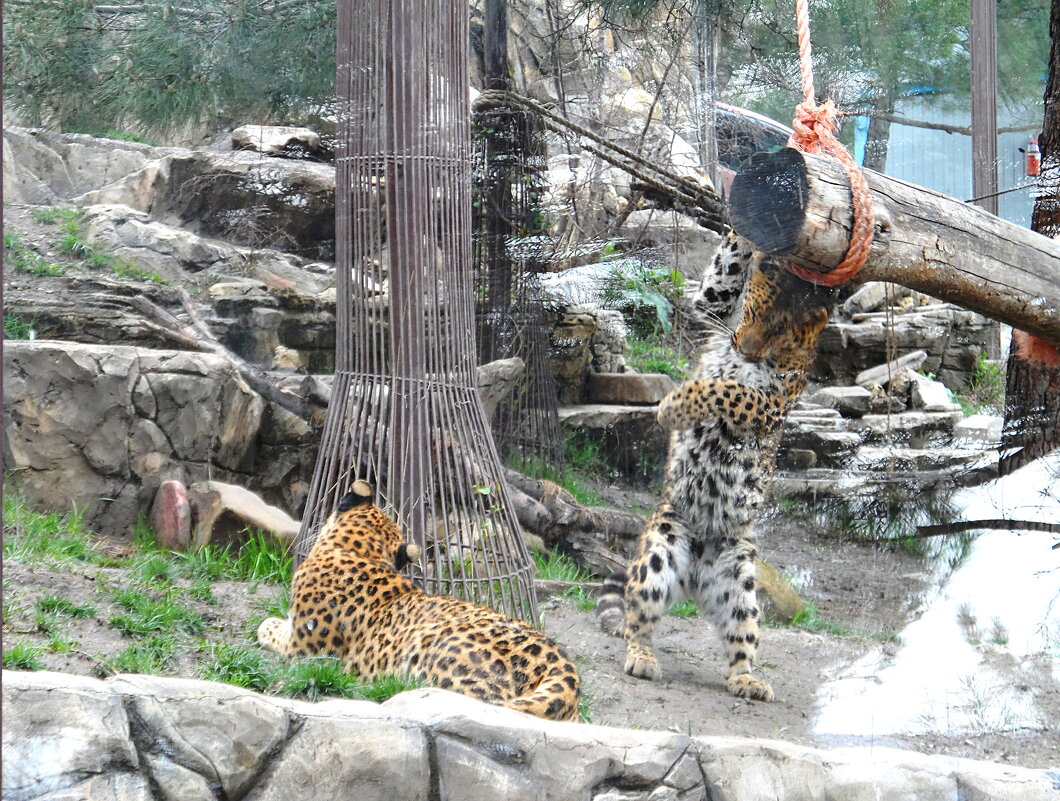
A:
(360, 493)
(406, 554)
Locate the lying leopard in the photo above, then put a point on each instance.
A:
(349, 601)
(726, 425)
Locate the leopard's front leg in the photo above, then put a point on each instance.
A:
(652, 576)
(698, 399)
(733, 606)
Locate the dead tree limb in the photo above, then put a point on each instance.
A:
(998, 524)
(797, 206)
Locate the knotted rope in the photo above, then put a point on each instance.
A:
(814, 132)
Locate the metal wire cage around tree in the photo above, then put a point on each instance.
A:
(405, 413)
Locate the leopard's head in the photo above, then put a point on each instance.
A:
(782, 318)
(369, 532)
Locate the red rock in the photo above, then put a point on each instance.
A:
(171, 516)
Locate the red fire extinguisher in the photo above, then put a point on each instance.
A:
(1034, 158)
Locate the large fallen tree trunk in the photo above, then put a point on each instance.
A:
(797, 206)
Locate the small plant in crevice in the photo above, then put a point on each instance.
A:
(20, 259)
(16, 327)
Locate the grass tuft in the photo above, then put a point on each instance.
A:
(560, 567)
(581, 598)
(155, 655)
(686, 608)
(22, 655)
(312, 679)
(50, 538)
(146, 615)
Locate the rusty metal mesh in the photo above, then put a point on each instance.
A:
(509, 241)
(405, 412)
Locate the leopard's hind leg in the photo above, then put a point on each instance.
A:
(276, 634)
(729, 597)
(655, 578)
(555, 698)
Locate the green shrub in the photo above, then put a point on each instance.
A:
(645, 294)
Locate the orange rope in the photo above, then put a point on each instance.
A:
(814, 126)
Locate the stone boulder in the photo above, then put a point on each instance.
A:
(285, 141)
(145, 737)
(41, 167)
(242, 197)
(496, 380)
(222, 512)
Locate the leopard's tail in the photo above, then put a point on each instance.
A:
(555, 698)
(275, 634)
(611, 604)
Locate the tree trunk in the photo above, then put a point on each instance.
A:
(797, 206)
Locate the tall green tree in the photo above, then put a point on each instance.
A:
(155, 66)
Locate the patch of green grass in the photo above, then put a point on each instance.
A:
(686, 608)
(565, 478)
(52, 215)
(155, 655)
(145, 614)
(986, 389)
(652, 356)
(23, 260)
(75, 246)
(263, 558)
(241, 665)
(311, 679)
(16, 327)
(130, 272)
(154, 568)
(583, 453)
(208, 563)
(383, 688)
(62, 606)
(560, 567)
(585, 706)
(22, 655)
(52, 538)
(581, 598)
(809, 619)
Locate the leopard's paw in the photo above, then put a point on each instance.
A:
(641, 663)
(744, 685)
(275, 633)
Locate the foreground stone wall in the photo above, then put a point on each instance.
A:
(143, 737)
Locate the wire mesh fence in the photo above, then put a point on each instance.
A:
(405, 413)
(510, 244)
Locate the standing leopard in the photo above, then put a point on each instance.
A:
(349, 601)
(725, 425)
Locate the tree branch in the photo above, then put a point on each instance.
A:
(999, 524)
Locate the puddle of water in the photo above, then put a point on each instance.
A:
(937, 681)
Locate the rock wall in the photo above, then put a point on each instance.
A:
(101, 428)
(141, 738)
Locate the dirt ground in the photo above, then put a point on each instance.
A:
(868, 592)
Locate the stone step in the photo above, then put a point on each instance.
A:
(629, 388)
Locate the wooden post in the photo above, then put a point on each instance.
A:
(984, 102)
(797, 206)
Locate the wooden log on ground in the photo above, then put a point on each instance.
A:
(797, 206)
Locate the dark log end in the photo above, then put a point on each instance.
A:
(767, 202)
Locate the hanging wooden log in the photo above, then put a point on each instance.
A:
(797, 206)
